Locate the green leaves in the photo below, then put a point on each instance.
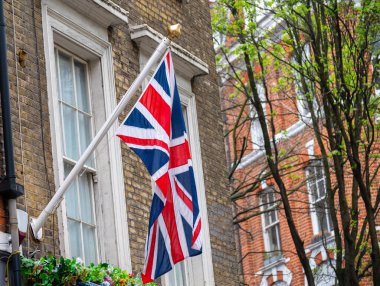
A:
(46, 271)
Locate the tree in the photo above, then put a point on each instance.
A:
(328, 50)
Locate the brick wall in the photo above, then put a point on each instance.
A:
(30, 117)
(195, 20)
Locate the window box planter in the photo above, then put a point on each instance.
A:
(50, 271)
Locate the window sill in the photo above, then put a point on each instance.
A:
(291, 131)
(273, 262)
(318, 240)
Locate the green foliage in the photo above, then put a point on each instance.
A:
(48, 271)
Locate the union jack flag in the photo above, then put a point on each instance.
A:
(155, 131)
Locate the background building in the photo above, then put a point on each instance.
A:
(286, 86)
(79, 58)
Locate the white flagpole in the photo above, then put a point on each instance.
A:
(36, 224)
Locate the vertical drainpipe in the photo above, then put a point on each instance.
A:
(8, 187)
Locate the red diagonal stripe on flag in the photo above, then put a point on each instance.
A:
(144, 142)
(171, 225)
(159, 109)
(149, 265)
(179, 155)
(164, 184)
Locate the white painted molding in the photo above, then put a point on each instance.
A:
(293, 130)
(186, 64)
(273, 269)
(103, 12)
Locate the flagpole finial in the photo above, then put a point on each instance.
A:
(174, 31)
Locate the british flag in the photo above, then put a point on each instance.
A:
(155, 131)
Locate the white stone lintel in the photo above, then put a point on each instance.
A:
(184, 62)
(104, 12)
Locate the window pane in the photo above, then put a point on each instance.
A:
(271, 198)
(321, 188)
(184, 112)
(273, 217)
(85, 135)
(77, 134)
(274, 243)
(312, 184)
(75, 241)
(71, 196)
(66, 79)
(267, 218)
(319, 172)
(85, 198)
(321, 215)
(70, 132)
(89, 244)
(71, 200)
(264, 200)
(177, 275)
(81, 87)
(313, 192)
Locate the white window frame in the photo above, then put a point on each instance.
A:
(302, 101)
(265, 209)
(314, 216)
(87, 169)
(64, 26)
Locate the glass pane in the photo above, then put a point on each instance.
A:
(319, 172)
(70, 132)
(71, 197)
(264, 200)
(85, 135)
(273, 217)
(179, 271)
(71, 200)
(176, 276)
(90, 244)
(271, 198)
(267, 218)
(66, 79)
(328, 219)
(321, 188)
(312, 184)
(321, 215)
(75, 242)
(184, 112)
(85, 198)
(274, 243)
(81, 87)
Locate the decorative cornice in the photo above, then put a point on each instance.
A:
(184, 61)
(104, 12)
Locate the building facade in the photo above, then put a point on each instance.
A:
(69, 64)
(268, 254)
